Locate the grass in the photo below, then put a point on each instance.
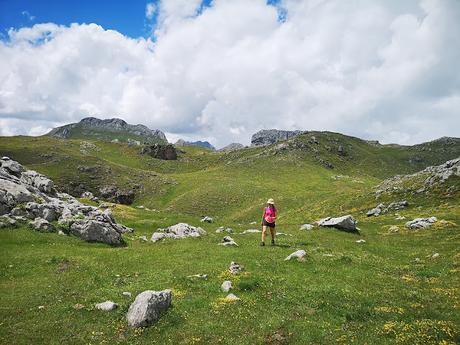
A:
(343, 293)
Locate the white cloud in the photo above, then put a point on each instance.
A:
(379, 70)
(28, 15)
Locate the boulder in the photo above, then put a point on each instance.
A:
(160, 151)
(13, 167)
(96, 231)
(347, 223)
(376, 211)
(418, 223)
(119, 196)
(43, 225)
(41, 182)
(180, 230)
(89, 196)
(148, 307)
(299, 254)
(107, 306)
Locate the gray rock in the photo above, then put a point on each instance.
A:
(222, 229)
(107, 306)
(207, 219)
(156, 236)
(42, 225)
(271, 136)
(418, 223)
(347, 223)
(376, 211)
(231, 147)
(251, 231)
(232, 298)
(226, 286)
(228, 241)
(143, 238)
(114, 194)
(89, 196)
(181, 230)
(13, 167)
(299, 254)
(126, 294)
(306, 227)
(96, 231)
(235, 268)
(393, 229)
(160, 151)
(39, 181)
(148, 307)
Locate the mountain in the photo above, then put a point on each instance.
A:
(271, 136)
(231, 147)
(114, 129)
(182, 142)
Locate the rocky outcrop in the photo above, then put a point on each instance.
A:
(92, 126)
(180, 230)
(26, 194)
(347, 223)
(199, 143)
(231, 147)
(117, 195)
(381, 208)
(422, 181)
(271, 136)
(148, 307)
(160, 151)
(419, 223)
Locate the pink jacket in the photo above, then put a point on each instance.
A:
(269, 215)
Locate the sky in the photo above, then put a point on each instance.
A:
(221, 70)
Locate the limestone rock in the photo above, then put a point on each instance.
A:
(226, 286)
(347, 223)
(148, 307)
(418, 223)
(306, 227)
(180, 230)
(107, 306)
(160, 151)
(235, 268)
(299, 254)
(43, 225)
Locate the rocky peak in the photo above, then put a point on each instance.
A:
(271, 136)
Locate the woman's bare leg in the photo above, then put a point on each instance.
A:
(264, 233)
(273, 233)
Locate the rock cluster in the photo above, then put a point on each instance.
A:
(180, 230)
(160, 151)
(381, 208)
(421, 181)
(418, 223)
(347, 223)
(235, 268)
(28, 195)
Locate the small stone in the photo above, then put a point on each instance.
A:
(207, 219)
(299, 254)
(199, 276)
(226, 286)
(40, 307)
(143, 238)
(306, 227)
(361, 241)
(435, 256)
(235, 268)
(126, 294)
(393, 229)
(78, 306)
(251, 231)
(60, 232)
(417, 260)
(107, 306)
(232, 298)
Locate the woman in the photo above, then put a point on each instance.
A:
(268, 220)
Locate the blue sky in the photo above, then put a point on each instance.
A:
(127, 17)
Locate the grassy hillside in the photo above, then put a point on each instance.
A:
(387, 290)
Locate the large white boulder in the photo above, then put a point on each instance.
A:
(148, 307)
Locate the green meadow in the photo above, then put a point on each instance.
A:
(388, 290)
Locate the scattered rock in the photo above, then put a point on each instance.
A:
(143, 238)
(231, 147)
(299, 254)
(78, 306)
(306, 227)
(89, 196)
(222, 229)
(43, 225)
(375, 211)
(177, 231)
(160, 151)
(226, 286)
(235, 268)
(421, 223)
(228, 241)
(347, 223)
(126, 294)
(435, 256)
(232, 298)
(148, 307)
(107, 306)
(199, 276)
(40, 307)
(393, 229)
(361, 241)
(119, 196)
(251, 231)
(207, 219)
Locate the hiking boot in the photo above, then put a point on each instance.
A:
(262, 244)
(273, 242)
